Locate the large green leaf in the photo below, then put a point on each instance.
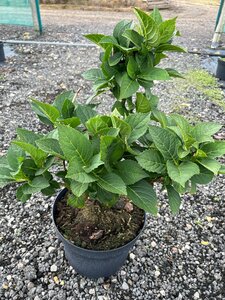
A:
(124, 127)
(61, 98)
(148, 26)
(170, 48)
(95, 38)
(50, 146)
(155, 74)
(128, 87)
(21, 195)
(78, 188)
(165, 141)
(139, 125)
(115, 58)
(210, 164)
(28, 136)
(215, 149)
(85, 112)
(75, 144)
(93, 74)
(72, 122)
(95, 162)
(143, 104)
(152, 161)
(37, 154)
(96, 124)
(204, 177)
(15, 156)
(156, 16)
(48, 163)
(45, 110)
(111, 148)
(143, 196)
(167, 30)
(134, 37)
(112, 183)
(36, 185)
(183, 172)
(132, 68)
(29, 167)
(118, 31)
(174, 199)
(76, 172)
(203, 131)
(130, 171)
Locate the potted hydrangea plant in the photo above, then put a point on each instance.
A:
(108, 164)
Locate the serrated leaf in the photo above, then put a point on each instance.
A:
(215, 149)
(156, 16)
(167, 30)
(204, 177)
(112, 183)
(20, 194)
(165, 141)
(111, 148)
(118, 31)
(72, 122)
(60, 99)
(169, 48)
(130, 171)
(95, 162)
(36, 185)
(203, 131)
(134, 37)
(139, 124)
(78, 188)
(28, 136)
(143, 196)
(143, 104)
(183, 172)
(115, 59)
(132, 68)
(95, 38)
(96, 124)
(152, 161)
(37, 154)
(124, 127)
(50, 146)
(45, 110)
(15, 156)
(93, 74)
(76, 172)
(85, 112)
(210, 164)
(75, 144)
(49, 162)
(77, 202)
(148, 26)
(174, 199)
(128, 87)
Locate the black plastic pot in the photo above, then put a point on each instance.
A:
(220, 71)
(2, 54)
(92, 263)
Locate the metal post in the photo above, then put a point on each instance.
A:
(219, 28)
(2, 54)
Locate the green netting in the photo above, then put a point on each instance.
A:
(20, 12)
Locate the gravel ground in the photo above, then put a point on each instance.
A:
(180, 257)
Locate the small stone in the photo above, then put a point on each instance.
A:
(188, 227)
(125, 286)
(5, 286)
(163, 293)
(30, 285)
(92, 291)
(174, 250)
(82, 283)
(51, 249)
(129, 207)
(132, 256)
(123, 273)
(54, 268)
(30, 273)
(56, 279)
(153, 244)
(9, 277)
(20, 266)
(157, 273)
(196, 295)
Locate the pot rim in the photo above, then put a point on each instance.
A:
(60, 196)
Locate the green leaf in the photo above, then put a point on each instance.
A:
(15, 156)
(128, 87)
(85, 112)
(45, 110)
(94, 163)
(143, 196)
(130, 171)
(183, 172)
(67, 109)
(48, 163)
(139, 125)
(152, 161)
(132, 68)
(37, 154)
(36, 185)
(78, 188)
(75, 144)
(222, 170)
(115, 59)
(156, 16)
(203, 131)
(95, 38)
(5, 173)
(29, 167)
(28, 136)
(167, 30)
(148, 26)
(174, 73)
(210, 164)
(96, 124)
(20, 194)
(76, 172)
(143, 104)
(165, 141)
(111, 148)
(112, 183)
(174, 199)
(124, 127)
(75, 201)
(169, 48)
(60, 99)
(204, 177)
(118, 31)
(93, 74)
(72, 122)
(160, 117)
(134, 37)
(215, 149)
(155, 74)
(50, 146)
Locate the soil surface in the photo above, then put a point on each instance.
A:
(99, 228)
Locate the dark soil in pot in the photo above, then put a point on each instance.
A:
(98, 228)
